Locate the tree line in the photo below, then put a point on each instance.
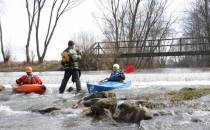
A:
(121, 20)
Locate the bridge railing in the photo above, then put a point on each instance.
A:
(158, 47)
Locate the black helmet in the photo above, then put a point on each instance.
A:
(70, 43)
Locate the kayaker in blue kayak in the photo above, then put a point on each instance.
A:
(117, 74)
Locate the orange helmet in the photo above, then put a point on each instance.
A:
(28, 69)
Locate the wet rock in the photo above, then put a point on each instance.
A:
(104, 104)
(99, 107)
(97, 103)
(93, 98)
(127, 112)
(47, 110)
(103, 94)
(86, 111)
(88, 103)
(1, 87)
(196, 120)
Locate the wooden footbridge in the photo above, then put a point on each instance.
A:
(152, 48)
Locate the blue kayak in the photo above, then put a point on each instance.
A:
(106, 86)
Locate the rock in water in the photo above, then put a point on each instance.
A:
(103, 94)
(127, 112)
(47, 110)
(99, 107)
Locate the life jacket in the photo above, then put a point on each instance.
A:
(65, 57)
(34, 79)
(70, 58)
(117, 76)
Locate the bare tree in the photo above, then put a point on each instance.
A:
(1, 39)
(138, 20)
(31, 15)
(57, 9)
(6, 53)
(197, 25)
(83, 41)
(32, 56)
(2, 45)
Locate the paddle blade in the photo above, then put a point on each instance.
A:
(129, 69)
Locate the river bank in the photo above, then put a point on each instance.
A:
(37, 67)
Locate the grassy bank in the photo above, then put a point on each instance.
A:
(37, 67)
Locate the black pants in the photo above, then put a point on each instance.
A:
(75, 73)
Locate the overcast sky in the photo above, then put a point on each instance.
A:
(79, 19)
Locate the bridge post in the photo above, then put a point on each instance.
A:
(180, 44)
(97, 59)
(159, 45)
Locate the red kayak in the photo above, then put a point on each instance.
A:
(29, 88)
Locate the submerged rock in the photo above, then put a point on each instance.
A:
(47, 110)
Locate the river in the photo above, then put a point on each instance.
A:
(16, 109)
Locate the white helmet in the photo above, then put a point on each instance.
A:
(116, 66)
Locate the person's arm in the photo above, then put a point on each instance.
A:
(121, 76)
(20, 80)
(112, 76)
(39, 80)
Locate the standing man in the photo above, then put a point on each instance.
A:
(70, 62)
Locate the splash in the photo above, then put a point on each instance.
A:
(8, 111)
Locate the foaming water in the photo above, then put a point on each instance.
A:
(16, 110)
(7, 110)
(142, 78)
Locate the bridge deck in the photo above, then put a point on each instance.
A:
(159, 47)
(155, 54)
